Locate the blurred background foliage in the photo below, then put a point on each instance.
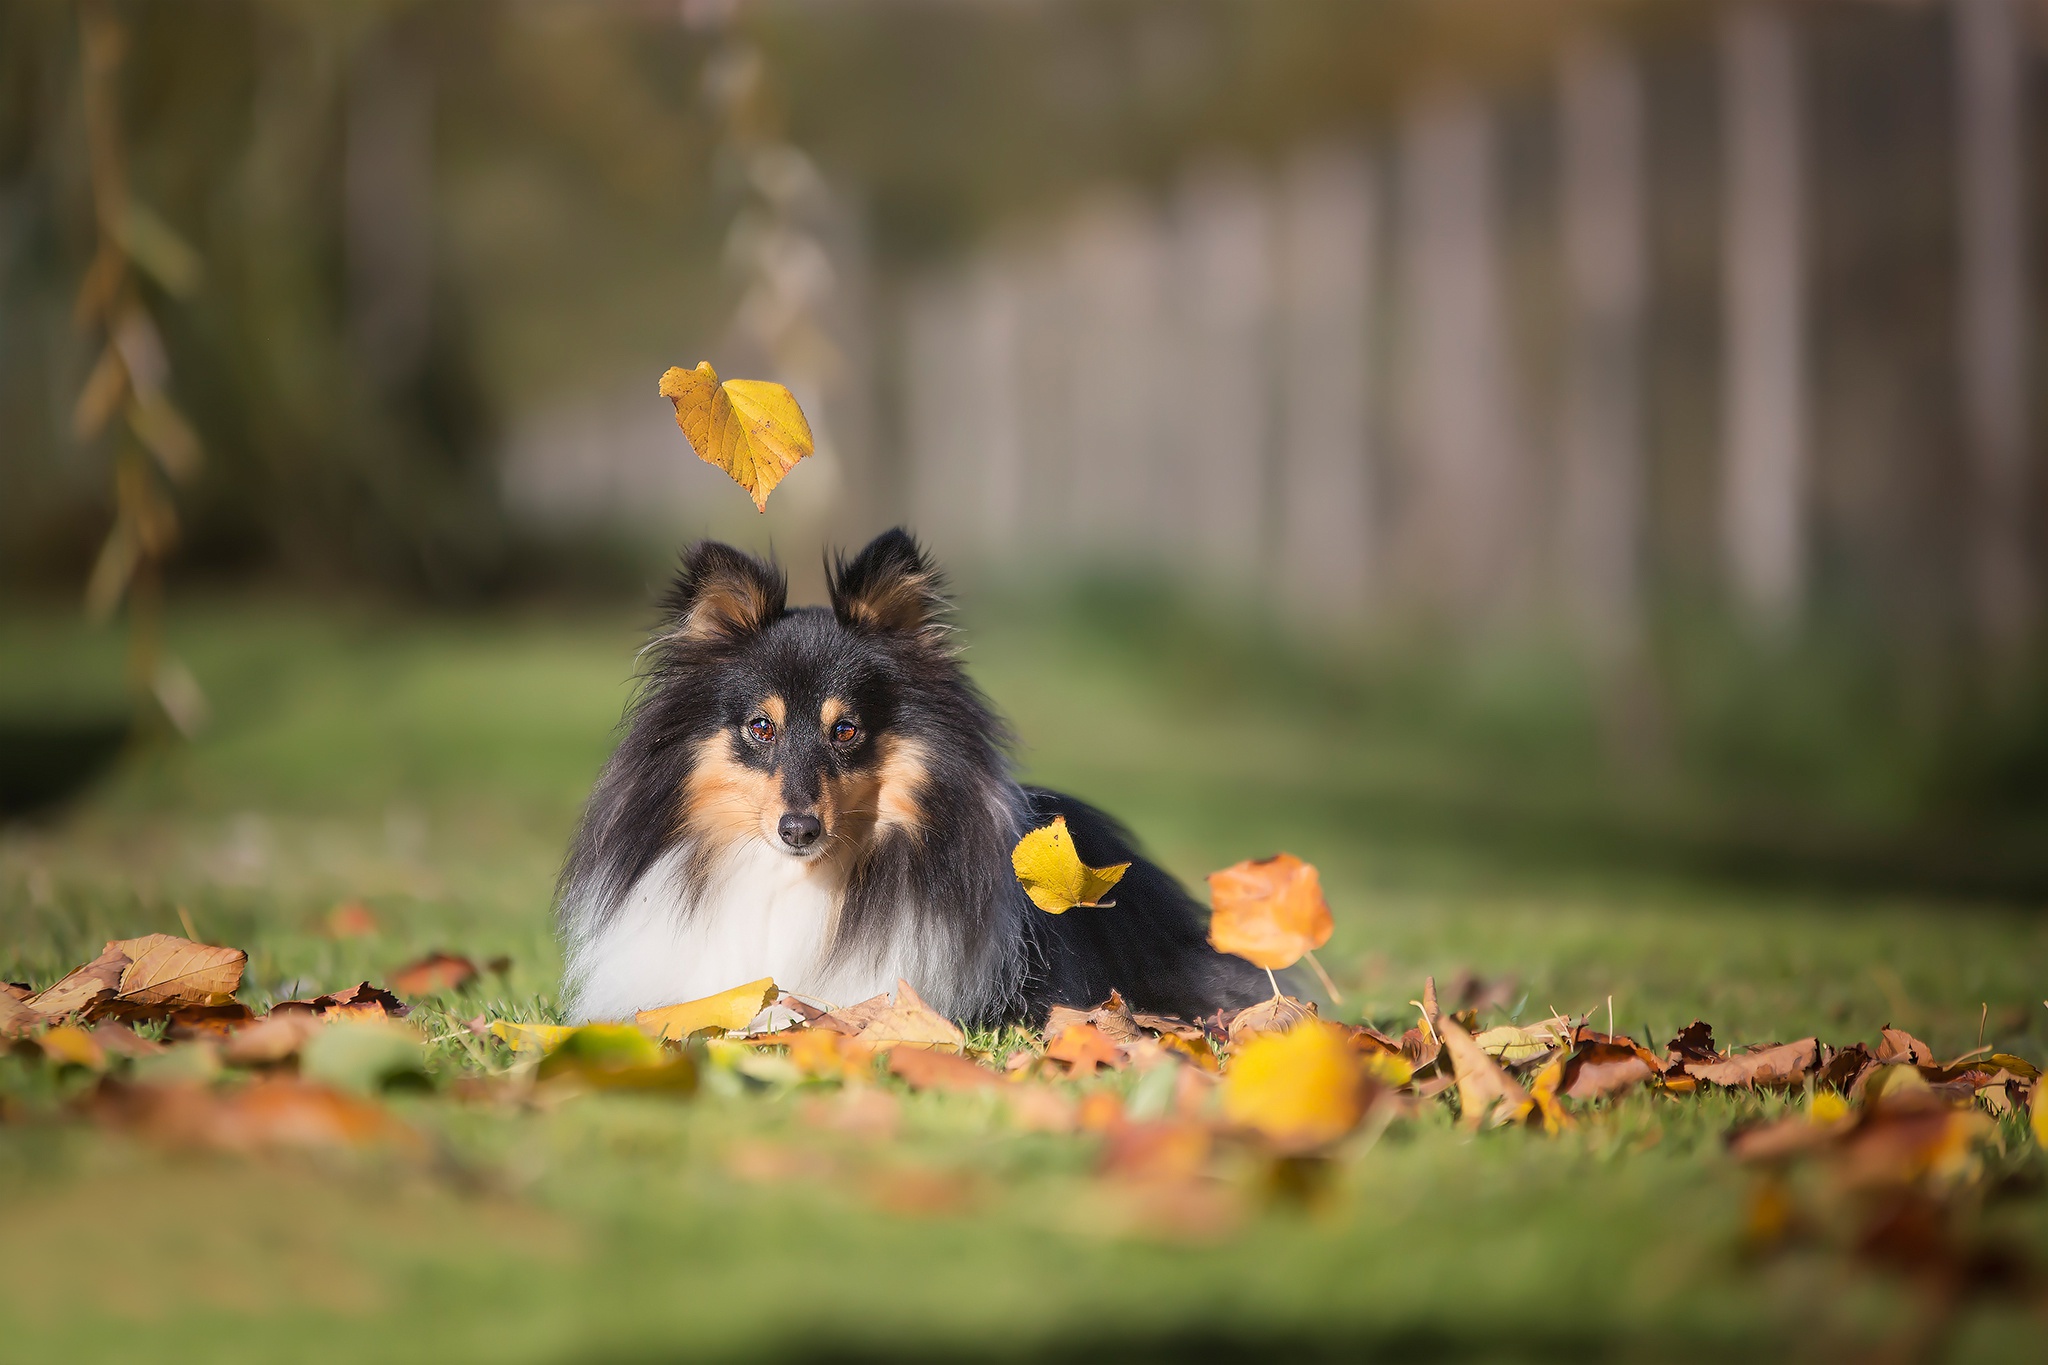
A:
(445, 250)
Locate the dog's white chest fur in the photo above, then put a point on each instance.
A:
(763, 913)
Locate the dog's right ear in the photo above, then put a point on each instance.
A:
(722, 594)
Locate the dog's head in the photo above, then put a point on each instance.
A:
(811, 730)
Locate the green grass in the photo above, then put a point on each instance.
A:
(433, 767)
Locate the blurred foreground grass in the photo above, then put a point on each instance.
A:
(433, 767)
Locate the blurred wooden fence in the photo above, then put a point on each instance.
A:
(1745, 321)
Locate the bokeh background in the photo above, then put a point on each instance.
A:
(1604, 435)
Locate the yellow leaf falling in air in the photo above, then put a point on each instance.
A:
(750, 428)
(1269, 911)
(1301, 1088)
(728, 1012)
(1053, 874)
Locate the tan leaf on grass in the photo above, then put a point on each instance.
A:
(1596, 1068)
(1084, 1047)
(1486, 1094)
(1053, 875)
(851, 1019)
(1300, 1089)
(930, 1069)
(1268, 911)
(728, 1011)
(913, 1023)
(17, 1019)
(1511, 1044)
(166, 972)
(96, 981)
(1897, 1045)
(1275, 1015)
(750, 428)
(1783, 1064)
(434, 974)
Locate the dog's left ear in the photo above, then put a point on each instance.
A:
(890, 588)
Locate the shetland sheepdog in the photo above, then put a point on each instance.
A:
(823, 797)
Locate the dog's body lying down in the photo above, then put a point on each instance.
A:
(822, 796)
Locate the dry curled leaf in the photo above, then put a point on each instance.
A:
(729, 1011)
(1051, 871)
(1275, 1015)
(1782, 1064)
(1300, 1089)
(83, 987)
(359, 1001)
(16, 1019)
(912, 1022)
(750, 428)
(1269, 911)
(165, 972)
(434, 974)
(1595, 1068)
(1113, 1016)
(1486, 1094)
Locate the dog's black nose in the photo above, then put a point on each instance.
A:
(799, 831)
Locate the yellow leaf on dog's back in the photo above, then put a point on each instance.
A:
(1052, 872)
(727, 1012)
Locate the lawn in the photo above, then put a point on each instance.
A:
(432, 768)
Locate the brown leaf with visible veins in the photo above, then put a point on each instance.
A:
(1593, 1069)
(166, 972)
(434, 974)
(1771, 1066)
(1486, 1094)
(1084, 1047)
(930, 1069)
(851, 1019)
(85, 986)
(1276, 1015)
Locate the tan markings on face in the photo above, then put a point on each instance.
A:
(859, 807)
(725, 801)
(773, 708)
(831, 711)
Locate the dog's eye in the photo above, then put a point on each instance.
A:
(762, 730)
(845, 732)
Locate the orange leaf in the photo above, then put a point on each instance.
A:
(1269, 911)
(434, 974)
(928, 1069)
(352, 919)
(1084, 1047)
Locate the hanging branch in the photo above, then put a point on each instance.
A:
(154, 446)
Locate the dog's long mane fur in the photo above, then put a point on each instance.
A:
(916, 879)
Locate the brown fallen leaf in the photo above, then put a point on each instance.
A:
(434, 974)
(824, 1053)
(1268, 911)
(1595, 1069)
(1040, 1109)
(16, 990)
(1487, 1095)
(1084, 1047)
(1170, 1151)
(1844, 1071)
(83, 987)
(352, 919)
(16, 1019)
(912, 1022)
(1897, 1045)
(851, 1019)
(124, 1041)
(1275, 1015)
(924, 1068)
(1112, 1016)
(280, 1113)
(1164, 1024)
(1780, 1065)
(1694, 1043)
(165, 972)
(361, 1001)
(208, 1021)
(272, 1039)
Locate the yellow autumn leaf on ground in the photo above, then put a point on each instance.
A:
(750, 428)
(1301, 1089)
(526, 1038)
(1268, 911)
(1053, 874)
(728, 1012)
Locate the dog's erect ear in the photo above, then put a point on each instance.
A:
(890, 588)
(723, 594)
